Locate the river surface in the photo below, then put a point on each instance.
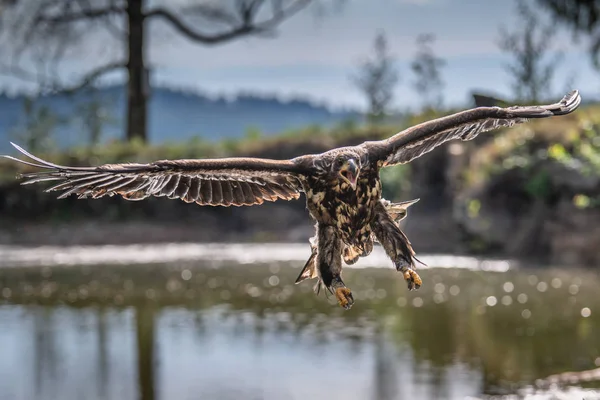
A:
(227, 322)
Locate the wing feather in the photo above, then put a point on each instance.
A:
(217, 193)
(172, 186)
(466, 125)
(226, 192)
(216, 182)
(184, 186)
(238, 192)
(193, 193)
(206, 192)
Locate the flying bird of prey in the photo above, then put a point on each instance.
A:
(342, 186)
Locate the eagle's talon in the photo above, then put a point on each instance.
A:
(344, 297)
(412, 278)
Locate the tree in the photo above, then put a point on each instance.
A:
(582, 16)
(35, 131)
(426, 67)
(45, 32)
(530, 47)
(376, 78)
(93, 114)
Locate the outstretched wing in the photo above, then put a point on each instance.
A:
(215, 182)
(466, 125)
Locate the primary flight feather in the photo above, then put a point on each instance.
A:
(342, 186)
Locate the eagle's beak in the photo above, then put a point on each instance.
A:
(350, 173)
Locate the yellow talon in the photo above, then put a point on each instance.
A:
(344, 297)
(413, 279)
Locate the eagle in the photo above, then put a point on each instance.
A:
(342, 186)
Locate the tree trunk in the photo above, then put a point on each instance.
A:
(145, 326)
(137, 90)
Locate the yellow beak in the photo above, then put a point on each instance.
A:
(349, 172)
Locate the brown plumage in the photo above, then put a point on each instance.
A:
(342, 186)
(386, 231)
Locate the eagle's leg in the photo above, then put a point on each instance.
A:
(325, 264)
(329, 264)
(396, 245)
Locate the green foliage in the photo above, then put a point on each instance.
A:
(347, 125)
(253, 133)
(582, 151)
(587, 147)
(473, 208)
(396, 182)
(572, 143)
(539, 185)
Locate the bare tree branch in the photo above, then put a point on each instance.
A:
(247, 25)
(91, 76)
(427, 68)
(582, 17)
(195, 35)
(43, 79)
(48, 32)
(18, 72)
(530, 47)
(213, 13)
(79, 16)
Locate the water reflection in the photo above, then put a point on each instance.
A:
(185, 330)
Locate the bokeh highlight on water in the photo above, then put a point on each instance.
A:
(196, 328)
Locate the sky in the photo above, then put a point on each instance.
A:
(314, 56)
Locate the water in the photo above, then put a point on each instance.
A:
(194, 328)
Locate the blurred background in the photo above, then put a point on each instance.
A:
(160, 299)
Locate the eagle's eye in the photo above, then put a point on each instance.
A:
(340, 162)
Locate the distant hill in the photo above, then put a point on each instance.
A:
(174, 115)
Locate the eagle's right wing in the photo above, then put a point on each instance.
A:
(413, 142)
(215, 182)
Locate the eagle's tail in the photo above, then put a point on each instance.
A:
(309, 271)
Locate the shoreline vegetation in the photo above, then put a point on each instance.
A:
(532, 191)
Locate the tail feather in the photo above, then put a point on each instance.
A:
(309, 271)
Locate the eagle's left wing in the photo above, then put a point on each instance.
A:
(215, 182)
(466, 125)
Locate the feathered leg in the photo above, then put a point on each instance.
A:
(329, 264)
(325, 264)
(396, 245)
(350, 254)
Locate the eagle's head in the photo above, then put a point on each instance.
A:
(343, 165)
